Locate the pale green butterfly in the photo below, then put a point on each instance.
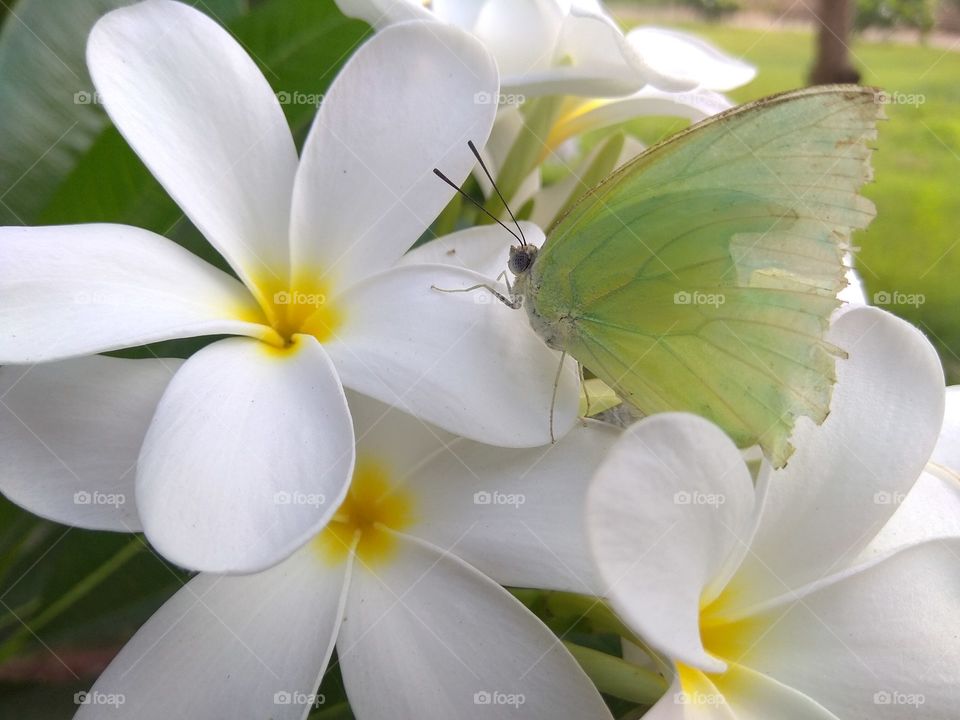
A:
(701, 275)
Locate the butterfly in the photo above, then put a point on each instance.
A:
(702, 274)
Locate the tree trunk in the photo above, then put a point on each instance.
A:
(834, 20)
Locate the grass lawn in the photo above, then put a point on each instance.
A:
(913, 247)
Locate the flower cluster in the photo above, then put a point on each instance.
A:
(367, 460)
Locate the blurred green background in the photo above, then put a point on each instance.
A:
(82, 593)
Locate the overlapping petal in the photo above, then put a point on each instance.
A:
(666, 513)
(250, 646)
(249, 454)
(200, 114)
(683, 59)
(381, 13)
(516, 515)
(70, 434)
(872, 642)
(365, 190)
(462, 361)
(841, 485)
(80, 289)
(428, 636)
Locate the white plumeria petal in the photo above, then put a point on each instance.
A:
(394, 440)
(665, 515)
(591, 57)
(462, 361)
(693, 105)
(381, 13)
(593, 41)
(428, 636)
(686, 59)
(932, 507)
(462, 13)
(521, 34)
(70, 434)
(842, 483)
(947, 451)
(82, 289)
(249, 454)
(485, 249)
(365, 190)
(874, 642)
(516, 515)
(677, 703)
(930, 510)
(250, 646)
(749, 694)
(199, 113)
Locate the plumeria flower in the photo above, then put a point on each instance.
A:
(575, 49)
(931, 509)
(319, 303)
(754, 595)
(403, 581)
(568, 47)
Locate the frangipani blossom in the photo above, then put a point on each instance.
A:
(931, 510)
(318, 305)
(568, 47)
(574, 49)
(755, 596)
(403, 582)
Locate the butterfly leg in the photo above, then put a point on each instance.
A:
(583, 384)
(553, 400)
(511, 303)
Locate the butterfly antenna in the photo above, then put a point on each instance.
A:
(476, 154)
(489, 214)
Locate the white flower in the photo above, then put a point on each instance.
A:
(931, 509)
(756, 596)
(400, 582)
(319, 304)
(570, 47)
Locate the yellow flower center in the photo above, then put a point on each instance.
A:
(370, 511)
(726, 639)
(305, 307)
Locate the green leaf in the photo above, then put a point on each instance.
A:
(49, 116)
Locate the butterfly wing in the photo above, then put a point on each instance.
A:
(701, 276)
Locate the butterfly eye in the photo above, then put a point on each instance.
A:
(521, 258)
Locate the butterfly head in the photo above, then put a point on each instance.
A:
(522, 257)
